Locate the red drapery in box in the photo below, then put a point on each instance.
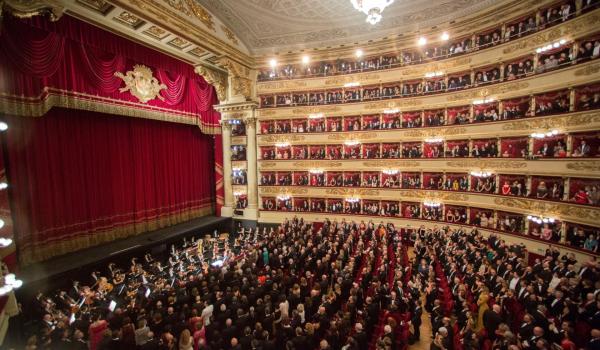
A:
(71, 64)
(79, 179)
(219, 189)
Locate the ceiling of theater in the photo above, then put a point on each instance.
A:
(268, 26)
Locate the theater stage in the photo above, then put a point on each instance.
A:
(56, 272)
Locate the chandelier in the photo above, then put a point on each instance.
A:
(371, 8)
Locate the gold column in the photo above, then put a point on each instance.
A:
(227, 209)
(251, 212)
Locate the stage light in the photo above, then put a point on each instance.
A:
(359, 53)
(445, 36)
(305, 59)
(3, 126)
(422, 41)
(273, 63)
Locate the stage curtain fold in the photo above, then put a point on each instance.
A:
(79, 179)
(76, 62)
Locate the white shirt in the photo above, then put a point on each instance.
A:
(206, 313)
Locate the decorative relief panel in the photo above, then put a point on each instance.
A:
(486, 164)
(493, 90)
(586, 166)
(266, 165)
(392, 163)
(352, 191)
(354, 136)
(554, 122)
(193, 9)
(588, 70)
(316, 164)
(320, 109)
(562, 210)
(284, 190)
(448, 131)
(436, 195)
(393, 104)
(341, 80)
(281, 138)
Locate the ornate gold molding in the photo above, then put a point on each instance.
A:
(448, 131)
(352, 191)
(435, 195)
(381, 105)
(493, 90)
(587, 166)
(265, 165)
(230, 35)
(31, 8)
(281, 138)
(317, 164)
(283, 190)
(340, 80)
(486, 164)
(216, 79)
(239, 78)
(554, 122)
(193, 9)
(588, 70)
(319, 109)
(292, 84)
(392, 163)
(354, 136)
(561, 210)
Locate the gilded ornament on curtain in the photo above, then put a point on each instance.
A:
(141, 84)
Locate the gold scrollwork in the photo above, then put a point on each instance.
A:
(319, 109)
(283, 190)
(267, 165)
(486, 164)
(281, 139)
(355, 136)
(392, 163)
(436, 132)
(562, 210)
(588, 70)
(584, 166)
(31, 8)
(554, 122)
(352, 191)
(477, 93)
(216, 79)
(317, 164)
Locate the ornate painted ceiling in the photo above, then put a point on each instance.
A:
(269, 26)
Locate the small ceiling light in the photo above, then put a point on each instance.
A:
(359, 53)
(3, 126)
(305, 59)
(273, 63)
(3, 185)
(562, 41)
(422, 41)
(556, 45)
(445, 36)
(352, 84)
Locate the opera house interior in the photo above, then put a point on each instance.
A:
(300, 174)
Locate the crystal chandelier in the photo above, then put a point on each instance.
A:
(371, 8)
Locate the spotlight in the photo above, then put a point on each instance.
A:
(422, 41)
(445, 36)
(359, 53)
(273, 63)
(3, 126)
(3, 185)
(305, 59)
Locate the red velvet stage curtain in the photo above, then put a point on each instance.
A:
(79, 179)
(76, 61)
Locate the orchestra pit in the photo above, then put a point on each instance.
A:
(300, 174)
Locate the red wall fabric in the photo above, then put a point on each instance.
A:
(77, 61)
(219, 189)
(79, 178)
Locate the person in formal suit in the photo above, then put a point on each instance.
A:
(492, 318)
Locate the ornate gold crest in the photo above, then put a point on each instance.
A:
(141, 84)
